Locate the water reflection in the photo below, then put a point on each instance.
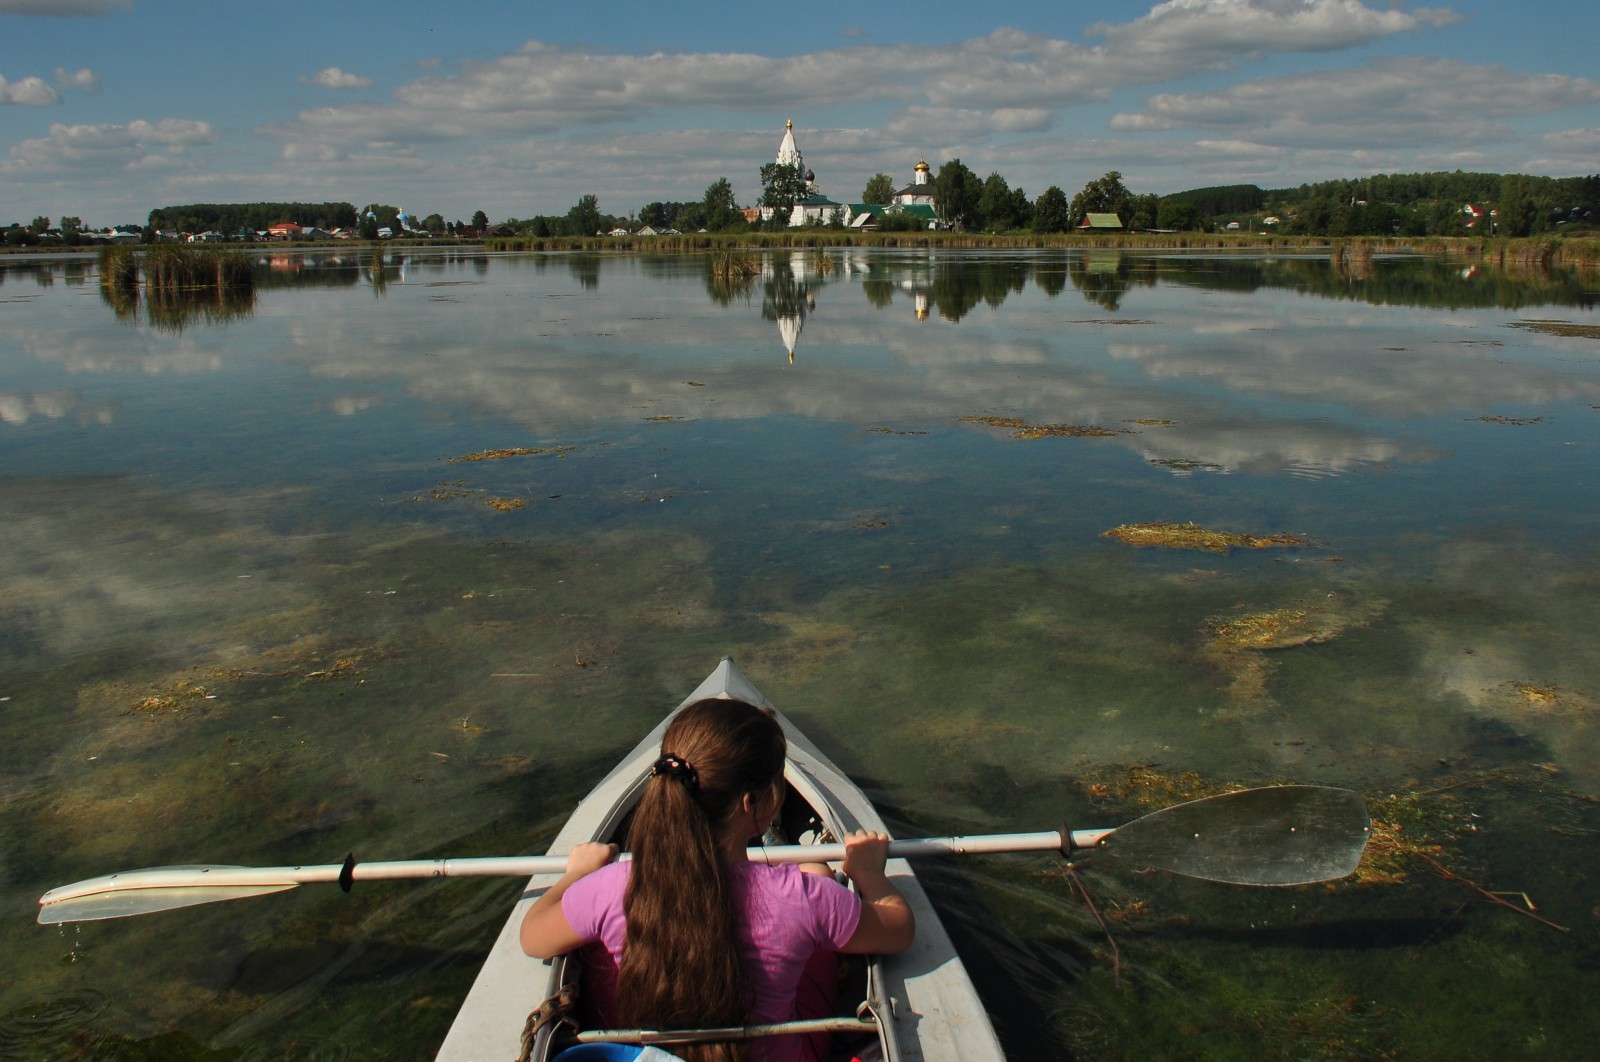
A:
(174, 309)
(251, 609)
(953, 284)
(1193, 384)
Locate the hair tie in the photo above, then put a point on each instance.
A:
(672, 766)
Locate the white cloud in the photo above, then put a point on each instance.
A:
(1211, 32)
(68, 8)
(84, 79)
(331, 77)
(29, 92)
(107, 145)
(1392, 101)
(1017, 78)
(1575, 141)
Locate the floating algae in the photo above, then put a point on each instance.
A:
(1193, 536)
(1514, 421)
(1147, 787)
(1282, 628)
(1537, 698)
(1185, 465)
(1238, 644)
(452, 490)
(177, 697)
(505, 505)
(1565, 329)
(515, 451)
(1021, 429)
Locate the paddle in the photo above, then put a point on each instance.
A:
(1278, 835)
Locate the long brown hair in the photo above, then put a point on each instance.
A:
(681, 966)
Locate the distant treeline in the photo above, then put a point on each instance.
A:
(231, 217)
(1405, 204)
(1404, 189)
(1221, 199)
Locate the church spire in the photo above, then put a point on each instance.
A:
(788, 151)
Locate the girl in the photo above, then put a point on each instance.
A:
(692, 933)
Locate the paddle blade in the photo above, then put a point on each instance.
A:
(1278, 835)
(128, 902)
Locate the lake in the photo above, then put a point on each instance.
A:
(398, 554)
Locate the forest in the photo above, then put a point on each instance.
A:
(231, 217)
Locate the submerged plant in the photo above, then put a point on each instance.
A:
(1193, 536)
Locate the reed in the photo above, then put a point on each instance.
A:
(178, 285)
(1551, 252)
(729, 264)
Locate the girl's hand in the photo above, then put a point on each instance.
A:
(589, 857)
(865, 853)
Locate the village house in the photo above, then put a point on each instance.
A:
(1097, 222)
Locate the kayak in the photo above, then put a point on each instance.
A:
(920, 1004)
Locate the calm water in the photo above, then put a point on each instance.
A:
(256, 607)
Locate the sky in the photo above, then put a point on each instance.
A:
(112, 108)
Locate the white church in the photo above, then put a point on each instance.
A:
(915, 198)
(815, 208)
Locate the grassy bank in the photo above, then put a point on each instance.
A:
(1541, 251)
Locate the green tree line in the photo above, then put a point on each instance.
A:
(231, 217)
(1413, 204)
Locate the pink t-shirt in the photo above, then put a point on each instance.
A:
(789, 915)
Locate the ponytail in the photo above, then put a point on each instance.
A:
(681, 963)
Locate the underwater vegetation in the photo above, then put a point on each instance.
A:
(1193, 536)
(1021, 429)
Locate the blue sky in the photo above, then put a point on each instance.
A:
(109, 108)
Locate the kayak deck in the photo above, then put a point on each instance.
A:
(925, 1004)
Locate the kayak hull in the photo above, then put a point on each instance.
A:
(923, 999)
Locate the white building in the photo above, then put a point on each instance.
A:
(815, 208)
(919, 192)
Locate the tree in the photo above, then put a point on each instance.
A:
(1142, 211)
(1178, 214)
(997, 206)
(480, 220)
(956, 191)
(1050, 211)
(433, 223)
(1516, 210)
(722, 210)
(782, 187)
(654, 214)
(879, 190)
(39, 224)
(1103, 196)
(582, 220)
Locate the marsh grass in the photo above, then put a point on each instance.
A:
(728, 263)
(1534, 252)
(179, 285)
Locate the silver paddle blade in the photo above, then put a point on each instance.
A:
(1277, 835)
(145, 901)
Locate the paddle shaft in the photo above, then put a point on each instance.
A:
(1275, 835)
(508, 866)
